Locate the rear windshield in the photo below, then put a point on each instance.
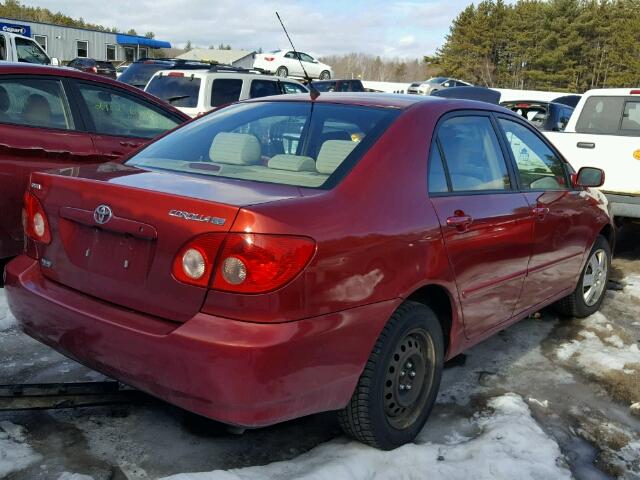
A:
(536, 113)
(179, 91)
(610, 116)
(108, 65)
(138, 74)
(289, 143)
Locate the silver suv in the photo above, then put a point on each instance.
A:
(434, 84)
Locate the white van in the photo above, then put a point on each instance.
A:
(17, 48)
(195, 92)
(604, 132)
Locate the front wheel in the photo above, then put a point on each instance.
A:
(592, 286)
(325, 75)
(282, 72)
(399, 385)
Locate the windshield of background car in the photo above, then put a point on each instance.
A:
(436, 80)
(29, 52)
(138, 74)
(291, 143)
(179, 91)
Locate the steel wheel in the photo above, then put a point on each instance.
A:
(409, 378)
(594, 280)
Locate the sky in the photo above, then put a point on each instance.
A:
(402, 28)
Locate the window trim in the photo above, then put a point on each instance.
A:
(115, 52)
(78, 99)
(515, 187)
(78, 121)
(46, 42)
(78, 42)
(518, 119)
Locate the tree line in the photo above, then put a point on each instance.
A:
(375, 68)
(571, 45)
(14, 9)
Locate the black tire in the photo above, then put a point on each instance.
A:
(576, 305)
(282, 72)
(325, 75)
(371, 417)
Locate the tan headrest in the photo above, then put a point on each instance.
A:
(294, 163)
(332, 154)
(235, 149)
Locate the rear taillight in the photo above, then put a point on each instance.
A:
(195, 261)
(175, 74)
(242, 262)
(94, 69)
(34, 219)
(259, 263)
(269, 59)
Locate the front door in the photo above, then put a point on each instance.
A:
(38, 131)
(486, 223)
(560, 232)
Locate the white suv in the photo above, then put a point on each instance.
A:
(195, 92)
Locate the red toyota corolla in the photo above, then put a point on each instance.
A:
(283, 257)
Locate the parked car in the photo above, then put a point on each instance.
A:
(264, 262)
(480, 94)
(140, 72)
(42, 128)
(18, 48)
(603, 130)
(338, 86)
(90, 65)
(285, 63)
(197, 92)
(545, 116)
(434, 84)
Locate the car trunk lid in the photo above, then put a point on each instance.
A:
(116, 231)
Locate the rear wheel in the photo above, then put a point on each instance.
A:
(325, 75)
(592, 286)
(282, 72)
(399, 385)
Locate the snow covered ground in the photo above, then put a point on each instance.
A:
(545, 399)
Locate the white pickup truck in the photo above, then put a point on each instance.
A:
(604, 132)
(16, 48)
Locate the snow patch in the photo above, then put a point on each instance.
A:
(15, 453)
(6, 319)
(632, 286)
(511, 445)
(74, 476)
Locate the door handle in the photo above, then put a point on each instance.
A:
(461, 222)
(540, 213)
(589, 145)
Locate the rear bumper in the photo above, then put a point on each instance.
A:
(241, 373)
(622, 205)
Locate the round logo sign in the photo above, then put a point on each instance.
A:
(102, 214)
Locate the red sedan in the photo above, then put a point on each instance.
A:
(59, 117)
(283, 257)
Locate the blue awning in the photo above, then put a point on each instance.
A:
(142, 41)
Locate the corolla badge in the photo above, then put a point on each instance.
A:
(196, 217)
(102, 214)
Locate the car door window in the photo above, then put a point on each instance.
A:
(437, 181)
(472, 154)
(288, 87)
(631, 117)
(35, 103)
(225, 90)
(263, 88)
(3, 48)
(538, 167)
(290, 55)
(306, 58)
(120, 115)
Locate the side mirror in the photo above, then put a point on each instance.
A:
(55, 62)
(589, 177)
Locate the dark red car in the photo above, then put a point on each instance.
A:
(283, 257)
(59, 117)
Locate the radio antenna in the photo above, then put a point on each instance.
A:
(312, 90)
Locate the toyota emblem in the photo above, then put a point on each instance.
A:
(102, 214)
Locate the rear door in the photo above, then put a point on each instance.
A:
(38, 131)
(561, 233)
(608, 137)
(486, 222)
(119, 122)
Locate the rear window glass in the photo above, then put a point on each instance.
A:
(601, 115)
(536, 113)
(263, 88)
(631, 116)
(139, 74)
(178, 91)
(290, 143)
(325, 86)
(225, 90)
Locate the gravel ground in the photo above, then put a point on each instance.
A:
(544, 399)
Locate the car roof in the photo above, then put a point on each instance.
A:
(611, 92)
(225, 74)
(14, 68)
(387, 100)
